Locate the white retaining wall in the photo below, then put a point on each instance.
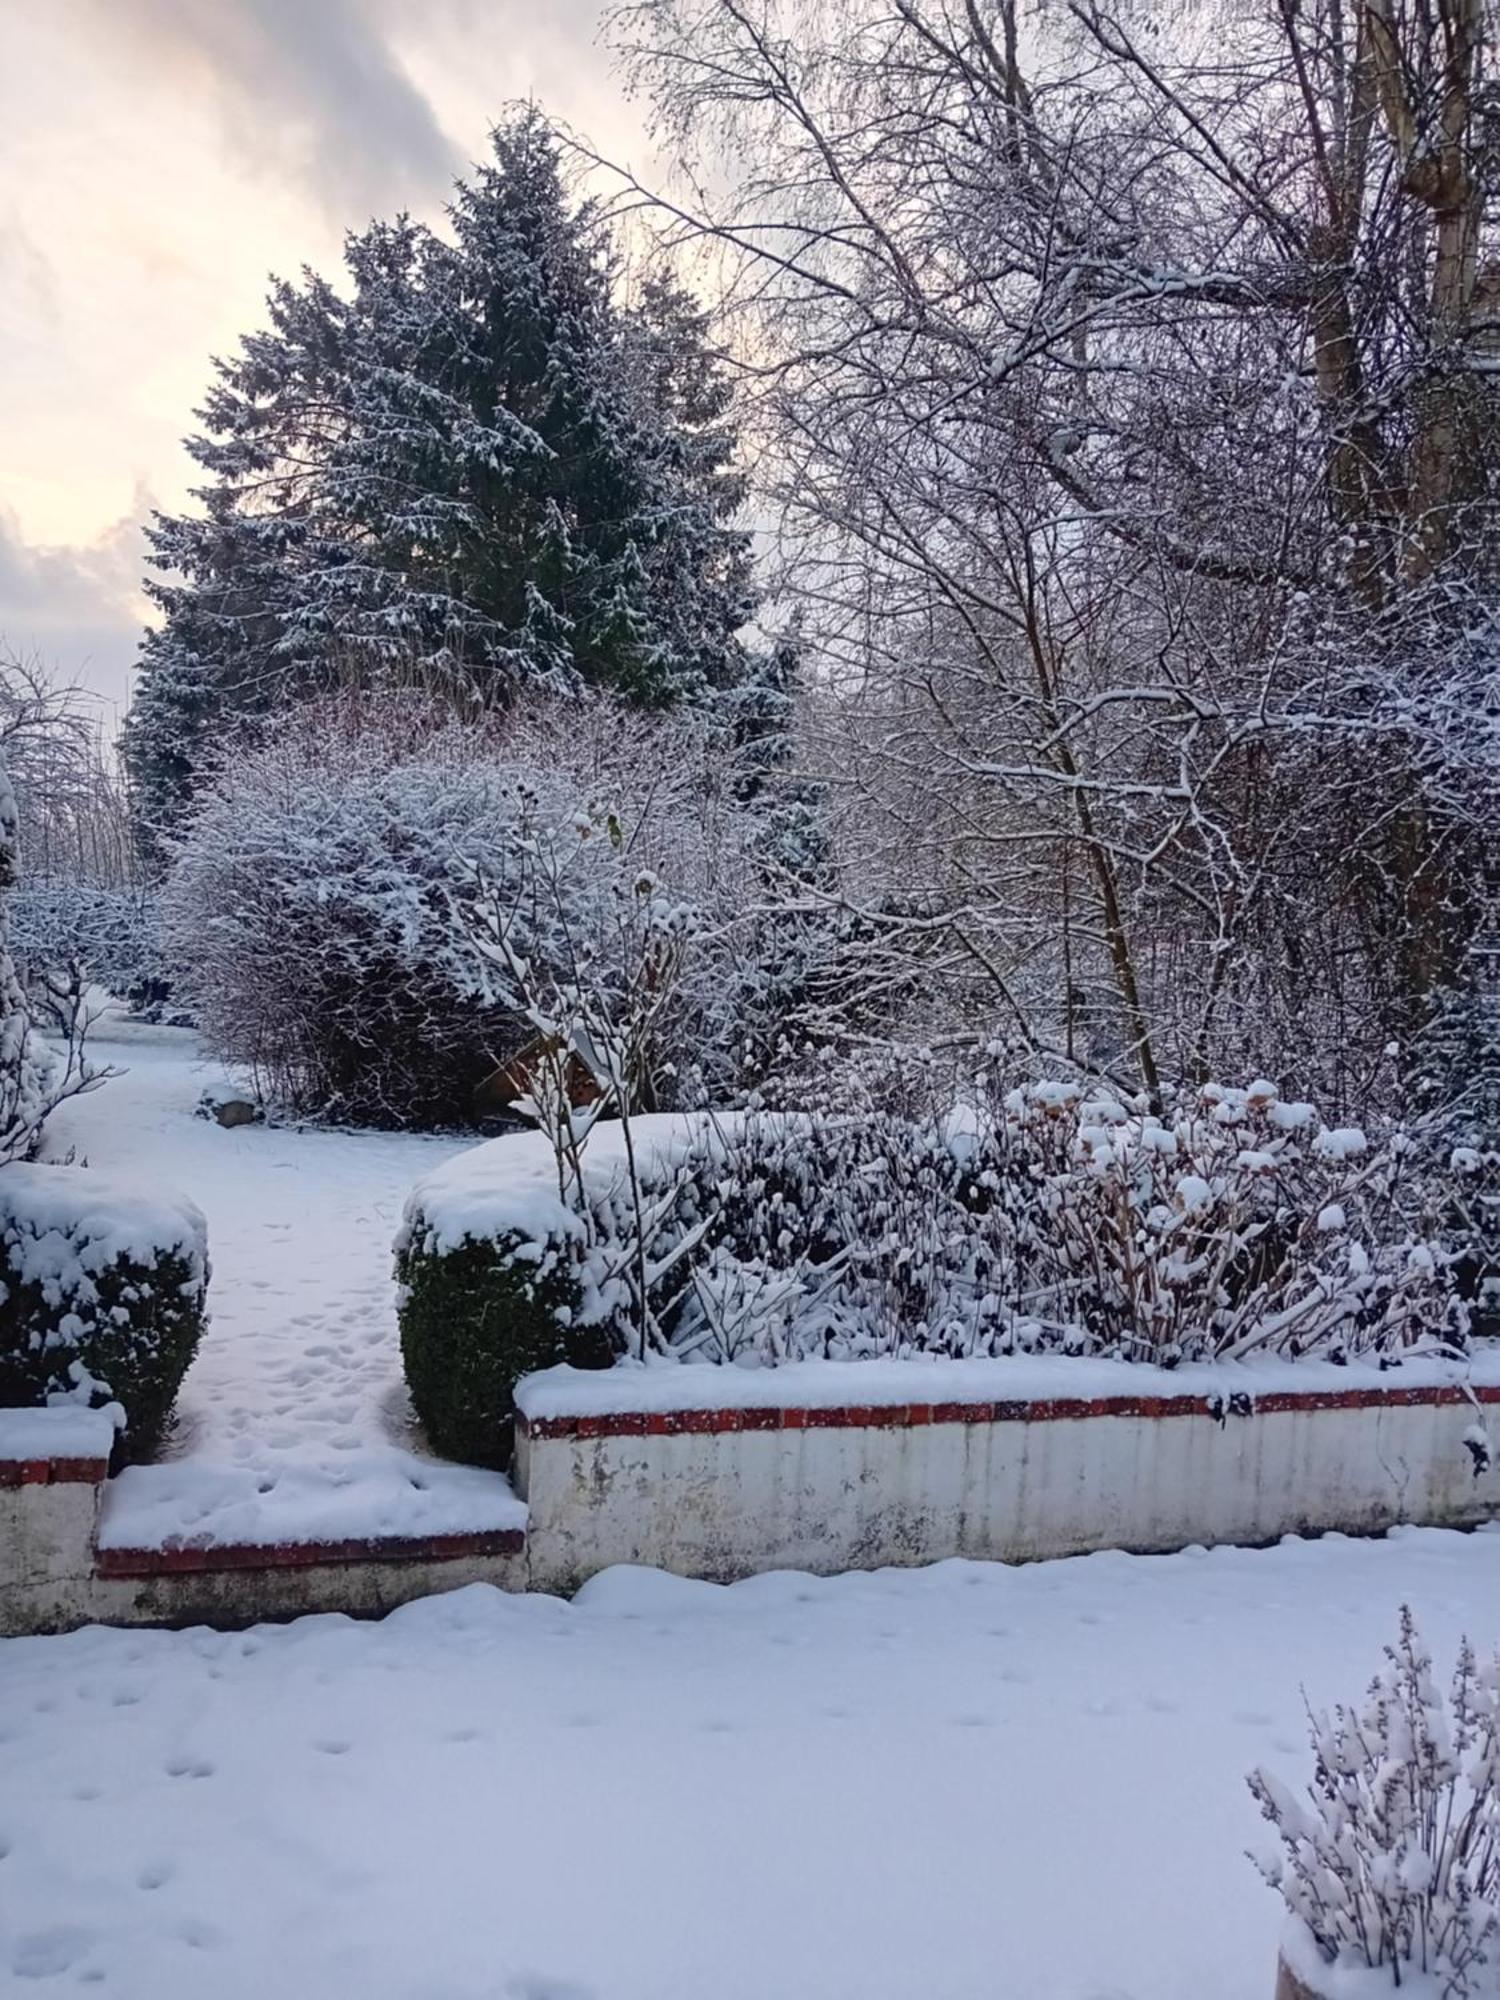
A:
(52, 1469)
(822, 1467)
(54, 1575)
(773, 1484)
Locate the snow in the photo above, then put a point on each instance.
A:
(64, 1431)
(1351, 1982)
(508, 1187)
(68, 1223)
(1344, 1142)
(661, 1384)
(959, 1782)
(293, 1420)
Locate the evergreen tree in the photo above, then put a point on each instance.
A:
(698, 565)
(474, 470)
(761, 715)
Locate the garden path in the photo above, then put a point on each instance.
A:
(293, 1423)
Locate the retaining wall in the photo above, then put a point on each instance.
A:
(772, 1483)
(822, 1467)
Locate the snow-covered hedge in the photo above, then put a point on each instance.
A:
(493, 1264)
(1053, 1222)
(102, 1296)
(330, 905)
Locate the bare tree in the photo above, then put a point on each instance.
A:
(1125, 399)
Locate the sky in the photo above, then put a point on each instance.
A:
(158, 158)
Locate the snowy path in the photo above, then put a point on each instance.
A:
(292, 1417)
(962, 1783)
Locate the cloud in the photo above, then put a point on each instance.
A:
(311, 87)
(28, 283)
(78, 608)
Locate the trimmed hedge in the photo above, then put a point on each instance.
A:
(103, 1300)
(473, 1322)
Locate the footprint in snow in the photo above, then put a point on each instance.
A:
(47, 1954)
(186, 1766)
(201, 1936)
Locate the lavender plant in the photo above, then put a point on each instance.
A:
(1393, 1858)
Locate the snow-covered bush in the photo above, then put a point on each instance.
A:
(68, 935)
(527, 1250)
(474, 1320)
(308, 919)
(334, 906)
(1238, 1221)
(1050, 1222)
(102, 1296)
(1393, 1858)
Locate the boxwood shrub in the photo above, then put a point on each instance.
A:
(474, 1320)
(104, 1293)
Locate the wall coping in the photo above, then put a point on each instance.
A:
(55, 1446)
(567, 1403)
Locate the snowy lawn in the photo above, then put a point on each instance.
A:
(964, 1783)
(292, 1422)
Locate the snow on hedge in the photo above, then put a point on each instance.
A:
(62, 1226)
(507, 1190)
(102, 1290)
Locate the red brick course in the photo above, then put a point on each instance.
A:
(52, 1472)
(195, 1558)
(881, 1416)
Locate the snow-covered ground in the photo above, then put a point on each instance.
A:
(292, 1421)
(964, 1783)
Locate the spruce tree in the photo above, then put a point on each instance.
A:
(472, 470)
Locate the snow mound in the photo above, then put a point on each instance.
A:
(64, 1431)
(507, 1189)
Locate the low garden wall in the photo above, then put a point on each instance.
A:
(58, 1571)
(723, 1473)
(833, 1466)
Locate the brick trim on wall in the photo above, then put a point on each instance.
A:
(880, 1416)
(52, 1472)
(185, 1559)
